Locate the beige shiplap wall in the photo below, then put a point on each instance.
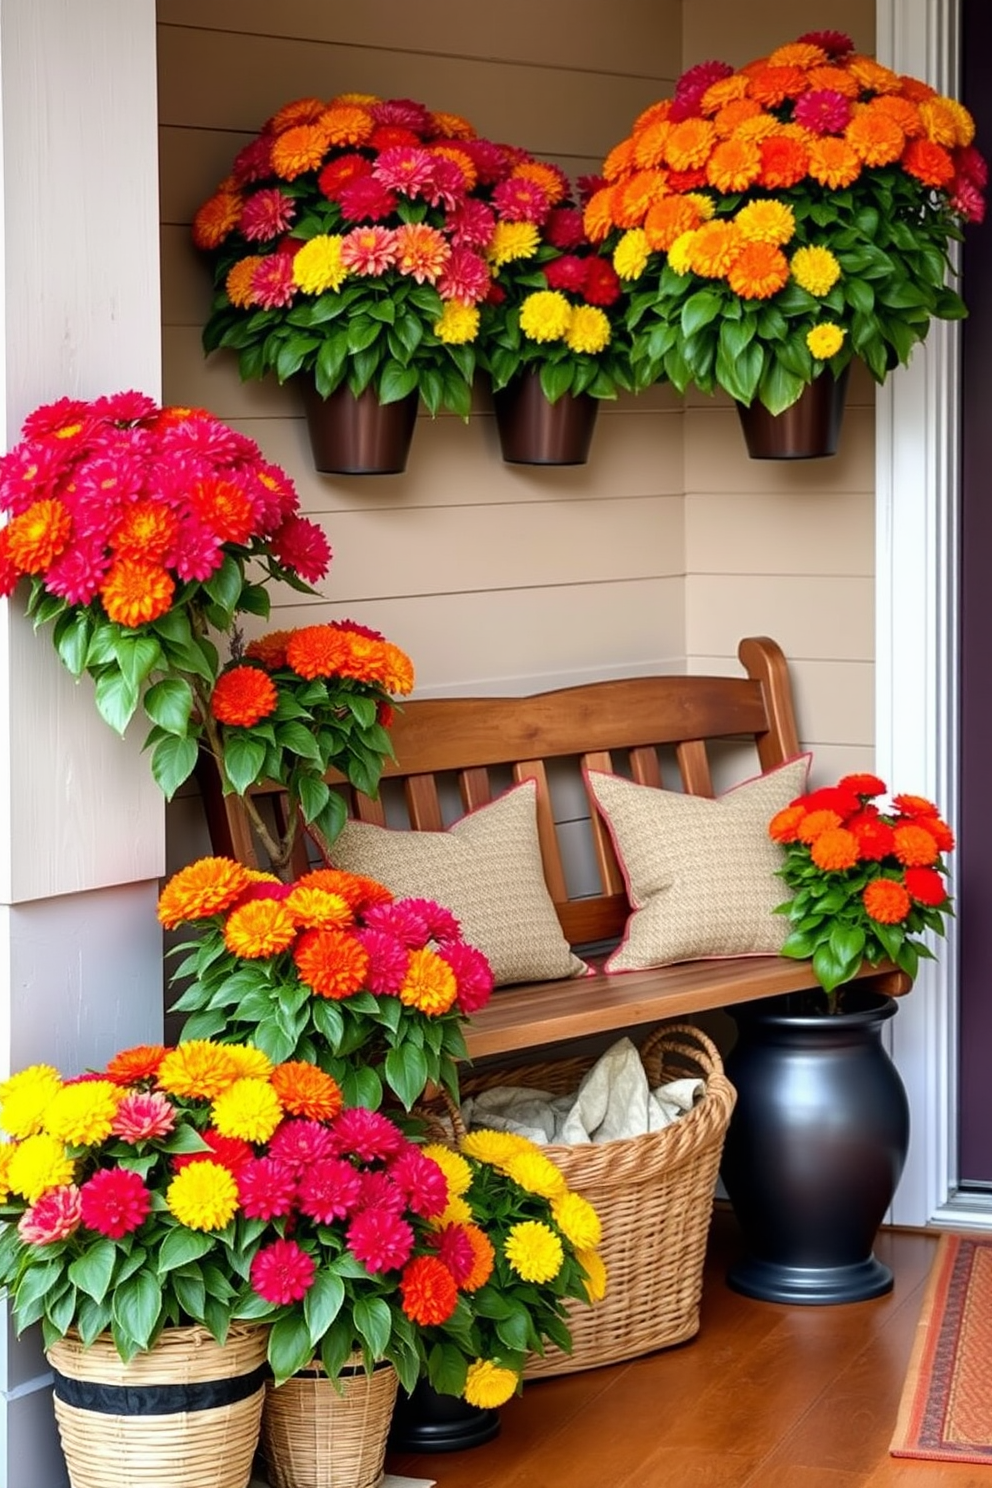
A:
(669, 545)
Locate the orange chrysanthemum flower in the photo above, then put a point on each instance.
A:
(356, 890)
(733, 115)
(238, 284)
(597, 217)
(886, 901)
(259, 929)
(915, 89)
(270, 649)
(145, 533)
(421, 251)
(316, 909)
(398, 673)
(484, 1257)
(910, 805)
(771, 86)
(198, 1068)
(833, 162)
(784, 162)
(462, 159)
(649, 148)
(216, 219)
(653, 114)
(201, 889)
(619, 161)
(914, 846)
(300, 111)
(836, 79)
(223, 506)
(633, 197)
(428, 1291)
(136, 593)
(784, 825)
(317, 651)
(835, 849)
(331, 962)
(875, 137)
(139, 1063)
(905, 114)
(801, 54)
(712, 248)
(243, 696)
(872, 76)
(758, 271)
(36, 537)
(554, 185)
(305, 1090)
(939, 831)
(668, 219)
(429, 984)
(929, 163)
(346, 124)
(718, 95)
(760, 126)
(690, 143)
(816, 822)
(299, 149)
(734, 164)
(453, 126)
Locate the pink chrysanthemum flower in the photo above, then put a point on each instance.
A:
(127, 407)
(329, 1189)
(456, 1251)
(466, 277)
(380, 1240)
(78, 573)
(446, 186)
(283, 1272)
(405, 113)
(406, 169)
(564, 228)
(301, 545)
(968, 201)
(823, 111)
(266, 1188)
(470, 224)
(55, 1216)
(421, 251)
(366, 199)
(272, 284)
(141, 1116)
(267, 214)
(440, 922)
(405, 919)
(197, 552)
(299, 1143)
(389, 959)
(30, 471)
(65, 414)
(473, 974)
(422, 1180)
(521, 200)
(114, 1202)
(200, 435)
(254, 161)
(378, 1191)
(367, 1135)
(369, 250)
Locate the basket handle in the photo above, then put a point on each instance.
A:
(701, 1048)
(451, 1109)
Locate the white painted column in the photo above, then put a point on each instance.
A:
(81, 821)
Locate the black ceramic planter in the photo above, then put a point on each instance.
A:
(815, 1149)
(426, 1421)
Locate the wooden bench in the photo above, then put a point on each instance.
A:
(475, 741)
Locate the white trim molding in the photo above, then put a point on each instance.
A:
(916, 656)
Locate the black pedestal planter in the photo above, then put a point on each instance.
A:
(814, 1150)
(427, 1421)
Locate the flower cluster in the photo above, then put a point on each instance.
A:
(522, 1243)
(865, 881)
(556, 303)
(140, 530)
(329, 969)
(786, 216)
(294, 704)
(353, 239)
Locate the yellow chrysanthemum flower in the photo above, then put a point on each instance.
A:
(489, 1385)
(318, 267)
(250, 1109)
(630, 256)
(458, 323)
(577, 1220)
(25, 1097)
(251, 1063)
(260, 929)
(589, 329)
(7, 1150)
(594, 1267)
(203, 1195)
(38, 1164)
(457, 1212)
(704, 205)
(318, 908)
(453, 1166)
(429, 985)
(537, 1174)
(80, 1115)
(513, 240)
(494, 1147)
(713, 248)
(678, 254)
(766, 222)
(545, 315)
(533, 1251)
(198, 1068)
(825, 340)
(815, 269)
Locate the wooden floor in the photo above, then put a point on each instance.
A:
(765, 1396)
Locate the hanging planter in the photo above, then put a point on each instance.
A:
(186, 1412)
(322, 1433)
(534, 431)
(807, 430)
(358, 436)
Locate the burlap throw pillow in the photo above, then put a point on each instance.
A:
(486, 868)
(700, 873)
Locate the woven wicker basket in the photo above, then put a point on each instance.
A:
(316, 1436)
(654, 1194)
(186, 1413)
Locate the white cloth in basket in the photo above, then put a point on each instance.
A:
(613, 1101)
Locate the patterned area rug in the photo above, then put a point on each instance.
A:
(946, 1409)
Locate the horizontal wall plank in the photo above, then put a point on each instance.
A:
(834, 699)
(810, 616)
(716, 459)
(648, 41)
(737, 33)
(814, 532)
(546, 110)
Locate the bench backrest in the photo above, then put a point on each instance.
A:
(474, 739)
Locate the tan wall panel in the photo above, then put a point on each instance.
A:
(546, 110)
(825, 618)
(809, 532)
(736, 33)
(716, 459)
(644, 35)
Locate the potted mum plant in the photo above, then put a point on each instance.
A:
(775, 221)
(820, 1132)
(348, 252)
(141, 536)
(553, 333)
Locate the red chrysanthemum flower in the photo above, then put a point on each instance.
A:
(380, 1239)
(232, 1153)
(784, 162)
(266, 1188)
(834, 43)
(329, 1189)
(266, 214)
(473, 975)
(388, 961)
(563, 228)
(114, 1202)
(939, 831)
(422, 1180)
(874, 837)
(862, 784)
(282, 1272)
(457, 1252)
(886, 901)
(366, 199)
(926, 886)
(429, 1292)
(367, 1135)
(929, 163)
(337, 173)
(301, 1142)
(243, 696)
(567, 273)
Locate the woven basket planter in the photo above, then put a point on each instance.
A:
(186, 1413)
(654, 1194)
(317, 1436)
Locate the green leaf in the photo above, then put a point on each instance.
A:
(407, 1073)
(699, 309)
(173, 762)
(181, 1246)
(397, 382)
(116, 699)
(314, 794)
(136, 1307)
(373, 1322)
(92, 1271)
(290, 1348)
(72, 639)
(224, 584)
(169, 704)
(243, 757)
(322, 1304)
